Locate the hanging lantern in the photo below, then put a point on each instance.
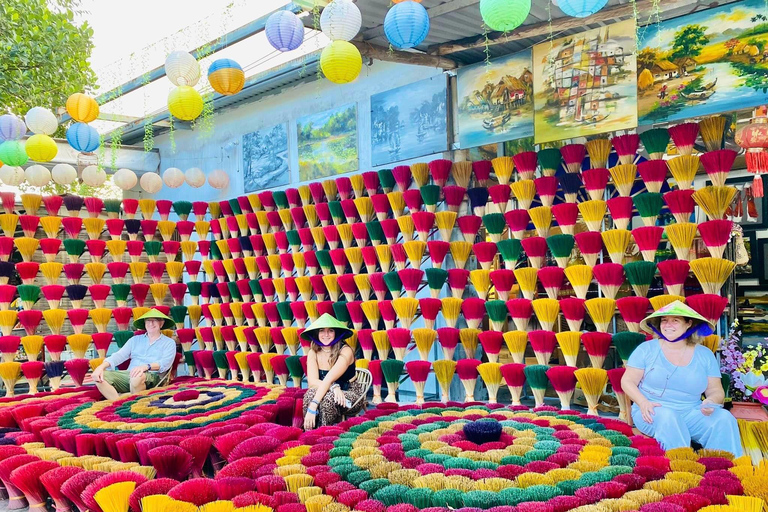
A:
(126, 179)
(151, 182)
(754, 139)
(173, 177)
(63, 174)
(41, 148)
(285, 31)
(41, 120)
(82, 108)
(182, 68)
(218, 179)
(580, 8)
(12, 175)
(226, 76)
(11, 127)
(185, 103)
(341, 20)
(504, 15)
(195, 177)
(12, 153)
(93, 176)
(341, 62)
(406, 25)
(83, 137)
(37, 175)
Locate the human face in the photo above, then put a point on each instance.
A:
(153, 325)
(674, 327)
(326, 336)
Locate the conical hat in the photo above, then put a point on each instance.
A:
(326, 322)
(153, 313)
(676, 308)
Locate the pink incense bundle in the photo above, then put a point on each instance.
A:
(347, 285)
(399, 339)
(535, 248)
(413, 200)
(140, 292)
(525, 164)
(30, 320)
(597, 345)
(96, 249)
(674, 273)
(684, 136)
(418, 371)
(521, 311)
(518, 221)
(614, 376)
(8, 293)
(514, 377)
(466, 369)
(323, 213)
(387, 313)
(503, 280)
(77, 317)
(377, 376)
(411, 279)
(647, 239)
(708, 305)
(343, 187)
(457, 281)
(72, 226)
(473, 310)
(714, 233)
(378, 285)
(102, 341)
(499, 195)
(469, 225)
(29, 224)
(390, 227)
(626, 147)
(52, 293)
(123, 317)
(621, 211)
(430, 307)
(546, 189)
(381, 206)
(633, 310)
(718, 164)
(563, 380)
(371, 182)
(77, 369)
(653, 173)
(454, 197)
(52, 205)
(50, 248)
(573, 311)
(99, 294)
(55, 345)
(680, 204)
(596, 182)
(6, 247)
(543, 344)
(157, 271)
(399, 256)
(610, 277)
(315, 188)
(27, 271)
(573, 156)
(402, 175)
(485, 252)
(439, 169)
(448, 337)
(551, 278)
(423, 222)
(566, 215)
(482, 170)
(365, 339)
(437, 250)
(199, 208)
(294, 197)
(491, 341)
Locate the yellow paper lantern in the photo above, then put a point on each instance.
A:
(185, 103)
(341, 62)
(82, 108)
(41, 148)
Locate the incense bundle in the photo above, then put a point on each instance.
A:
(615, 375)
(573, 156)
(518, 221)
(715, 200)
(593, 213)
(491, 374)
(10, 372)
(681, 204)
(681, 236)
(684, 169)
(616, 242)
(684, 136)
(510, 251)
(598, 150)
(546, 189)
(626, 343)
(550, 161)
(424, 340)
(596, 182)
(469, 226)
(28, 294)
(503, 166)
(647, 239)
(444, 372)
(620, 209)
(536, 250)
(448, 337)
(9, 346)
(551, 279)
(640, 275)
(543, 343)
(524, 191)
(633, 310)
(580, 277)
(478, 198)
(536, 376)
(648, 206)
(418, 371)
(601, 311)
(718, 165)
(516, 342)
(592, 382)
(27, 247)
(502, 280)
(709, 306)
(460, 252)
(712, 131)
(546, 311)
(659, 301)
(491, 342)
(33, 346)
(653, 173)
(610, 277)
(50, 248)
(399, 339)
(541, 216)
(467, 371)
(623, 177)
(563, 381)
(597, 345)
(571, 186)
(527, 278)
(392, 370)
(570, 344)
(712, 273)
(715, 234)
(445, 221)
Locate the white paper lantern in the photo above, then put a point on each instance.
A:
(195, 177)
(41, 120)
(182, 68)
(11, 175)
(151, 182)
(341, 19)
(93, 176)
(218, 179)
(63, 174)
(173, 177)
(126, 179)
(37, 175)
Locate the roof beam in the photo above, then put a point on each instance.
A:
(381, 53)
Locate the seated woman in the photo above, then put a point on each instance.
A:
(666, 377)
(333, 390)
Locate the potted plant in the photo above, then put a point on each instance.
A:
(748, 371)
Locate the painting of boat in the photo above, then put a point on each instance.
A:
(494, 123)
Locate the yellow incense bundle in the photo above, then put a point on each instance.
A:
(444, 372)
(270, 243)
(355, 259)
(93, 227)
(364, 206)
(481, 280)
(547, 311)
(445, 221)
(623, 176)
(372, 312)
(54, 319)
(318, 235)
(712, 342)
(616, 241)
(503, 166)
(10, 372)
(415, 251)
(592, 382)
(598, 150)
(202, 227)
(194, 312)
(175, 270)
(100, 318)
(451, 308)
(715, 200)
(309, 305)
(31, 203)
(384, 255)
(51, 226)
(524, 191)
(363, 286)
(304, 285)
(601, 311)
(117, 248)
(159, 292)
(138, 269)
(712, 273)
(188, 249)
(405, 308)
(33, 346)
(223, 248)
(397, 203)
(331, 282)
(570, 344)
(460, 252)
(684, 169)
(275, 265)
(381, 341)
(9, 221)
(147, 207)
(425, 340)
(26, 247)
(541, 216)
(516, 342)
(79, 344)
(593, 213)
(580, 277)
(491, 375)
(527, 277)
(96, 271)
(51, 271)
(469, 338)
(681, 235)
(712, 130)
(166, 228)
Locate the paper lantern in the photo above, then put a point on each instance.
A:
(151, 182)
(12, 153)
(195, 177)
(82, 108)
(11, 127)
(752, 137)
(173, 177)
(63, 174)
(41, 148)
(226, 76)
(341, 62)
(285, 31)
(580, 8)
(83, 137)
(185, 103)
(41, 120)
(37, 175)
(126, 179)
(181, 68)
(504, 15)
(218, 179)
(93, 176)
(406, 24)
(11, 175)
(341, 20)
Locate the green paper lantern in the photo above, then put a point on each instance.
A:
(504, 15)
(12, 153)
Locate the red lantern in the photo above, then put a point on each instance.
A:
(754, 139)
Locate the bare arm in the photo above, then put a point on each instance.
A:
(313, 374)
(714, 391)
(346, 358)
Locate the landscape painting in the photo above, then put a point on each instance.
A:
(328, 143)
(409, 121)
(265, 158)
(495, 100)
(586, 83)
(703, 63)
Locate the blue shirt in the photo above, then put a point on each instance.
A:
(676, 387)
(142, 353)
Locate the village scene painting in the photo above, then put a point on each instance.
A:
(409, 121)
(495, 100)
(702, 63)
(327, 143)
(586, 84)
(265, 158)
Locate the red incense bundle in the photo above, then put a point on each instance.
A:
(485, 252)
(563, 382)
(454, 197)
(102, 341)
(139, 292)
(535, 248)
(684, 136)
(469, 225)
(457, 281)
(633, 310)
(413, 200)
(365, 339)
(52, 293)
(647, 239)
(411, 279)
(491, 341)
(77, 317)
(402, 175)
(438, 249)
(514, 377)
(430, 307)
(596, 182)
(680, 204)
(525, 164)
(96, 249)
(323, 213)
(30, 320)
(72, 226)
(6, 247)
(99, 294)
(714, 233)
(29, 224)
(439, 169)
(418, 371)
(708, 305)
(551, 278)
(482, 170)
(388, 314)
(50, 248)
(448, 337)
(503, 280)
(473, 310)
(597, 345)
(674, 274)
(118, 270)
(573, 156)
(55, 345)
(566, 215)
(381, 206)
(423, 222)
(123, 317)
(27, 271)
(543, 344)
(573, 311)
(546, 189)
(614, 376)
(390, 227)
(518, 221)
(499, 195)
(77, 369)
(653, 173)
(371, 182)
(718, 164)
(378, 285)
(610, 277)
(199, 208)
(521, 311)
(621, 211)
(52, 205)
(399, 339)
(466, 369)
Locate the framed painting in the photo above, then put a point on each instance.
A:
(265, 158)
(703, 63)
(495, 100)
(749, 269)
(409, 121)
(761, 265)
(748, 211)
(586, 83)
(327, 143)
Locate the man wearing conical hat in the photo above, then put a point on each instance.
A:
(151, 355)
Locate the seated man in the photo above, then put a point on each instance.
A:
(151, 355)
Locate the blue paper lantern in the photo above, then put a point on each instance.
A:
(11, 127)
(406, 24)
(285, 31)
(83, 137)
(581, 8)
(226, 76)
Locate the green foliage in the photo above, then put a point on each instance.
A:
(689, 41)
(762, 28)
(45, 54)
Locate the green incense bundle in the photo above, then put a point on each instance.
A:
(215, 252)
(454, 498)
(28, 293)
(182, 209)
(649, 205)
(74, 247)
(153, 247)
(194, 288)
(386, 179)
(295, 369)
(121, 291)
(497, 313)
(325, 261)
(482, 499)
(281, 199)
(179, 314)
(255, 289)
(536, 376)
(655, 142)
(393, 282)
(430, 194)
(235, 206)
(640, 275)
(293, 238)
(284, 310)
(561, 246)
(375, 233)
(392, 370)
(420, 497)
(436, 278)
(189, 358)
(234, 291)
(550, 160)
(510, 251)
(337, 213)
(495, 223)
(222, 365)
(113, 205)
(122, 337)
(341, 312)
(626, 343)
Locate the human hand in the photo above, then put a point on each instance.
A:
(707, 411)
(138, 371)
(309, 420)
(98, 375)
(647, 410)
(338, 396)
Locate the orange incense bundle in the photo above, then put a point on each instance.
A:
(718, 165)
(491, 341)
(601, 311)
(684, 136)
(521, 311)
(563, 380)
(653, 174)
(610, 277)
(448, 337)
(516, 342)
(514, 378)
(467, 371)
(633, 310)
(596, 182)
(543, 343)
(418, 371)
(647, 239)
(573, 156)
(597, 345)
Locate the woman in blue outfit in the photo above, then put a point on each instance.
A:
(666, 377)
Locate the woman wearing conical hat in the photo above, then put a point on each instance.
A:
(666, 378)
(333, 390)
